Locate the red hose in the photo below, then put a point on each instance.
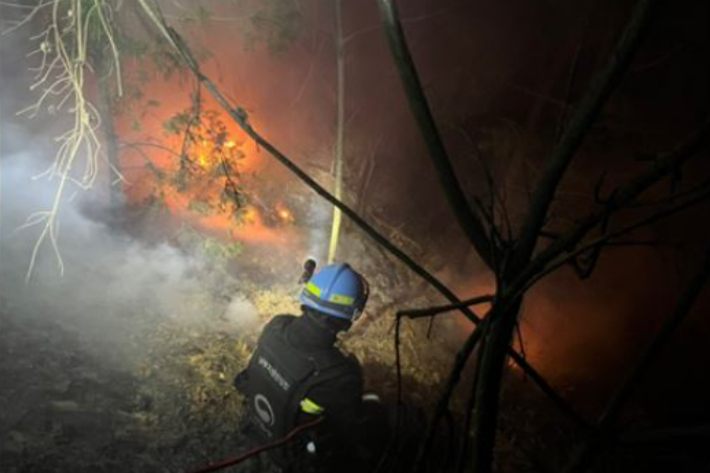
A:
(255, 451)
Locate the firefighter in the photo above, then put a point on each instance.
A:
(297, 375)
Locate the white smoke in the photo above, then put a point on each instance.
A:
(241, 314)
(319, 217)
(113, 284)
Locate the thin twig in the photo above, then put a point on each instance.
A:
(588, 109)
(607, 238)
(622, 196)
(571, 79)
(431, 311)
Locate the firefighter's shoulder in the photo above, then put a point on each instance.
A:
(278, 322)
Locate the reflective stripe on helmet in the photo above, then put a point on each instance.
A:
(344, 311)
(313, 289)
(342, 299)
(336, 290)
(310, 407)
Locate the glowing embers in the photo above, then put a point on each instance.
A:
(211, 154)
(250, 215)
(201, 173)
(208, 172)
(283, 213)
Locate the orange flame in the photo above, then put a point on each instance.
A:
(284, 214)
(208, 195)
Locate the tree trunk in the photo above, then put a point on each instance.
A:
(340, 133)
(468, 220)
(505, 311)
(105, 109)
(490, 375)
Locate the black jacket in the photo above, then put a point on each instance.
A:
(296, 360)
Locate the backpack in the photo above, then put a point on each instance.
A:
(277, 379)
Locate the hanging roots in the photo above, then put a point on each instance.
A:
(72, 28)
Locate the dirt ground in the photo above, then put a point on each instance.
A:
(155, 394)
(137, 388)
(67, 409)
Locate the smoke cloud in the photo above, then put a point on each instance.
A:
(110, 277)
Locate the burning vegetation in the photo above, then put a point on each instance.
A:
(201, 173)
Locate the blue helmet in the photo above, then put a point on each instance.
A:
(337, 290)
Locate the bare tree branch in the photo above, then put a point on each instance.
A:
(608, 237)
(442, 405)
(599, 91)
(506, 309)
(572, 77)
(463, 459)
(488, 213)
(431, 311)
(467, 219)
(621, 197)
(455, 375)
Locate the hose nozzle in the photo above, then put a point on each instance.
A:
(309, 267)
